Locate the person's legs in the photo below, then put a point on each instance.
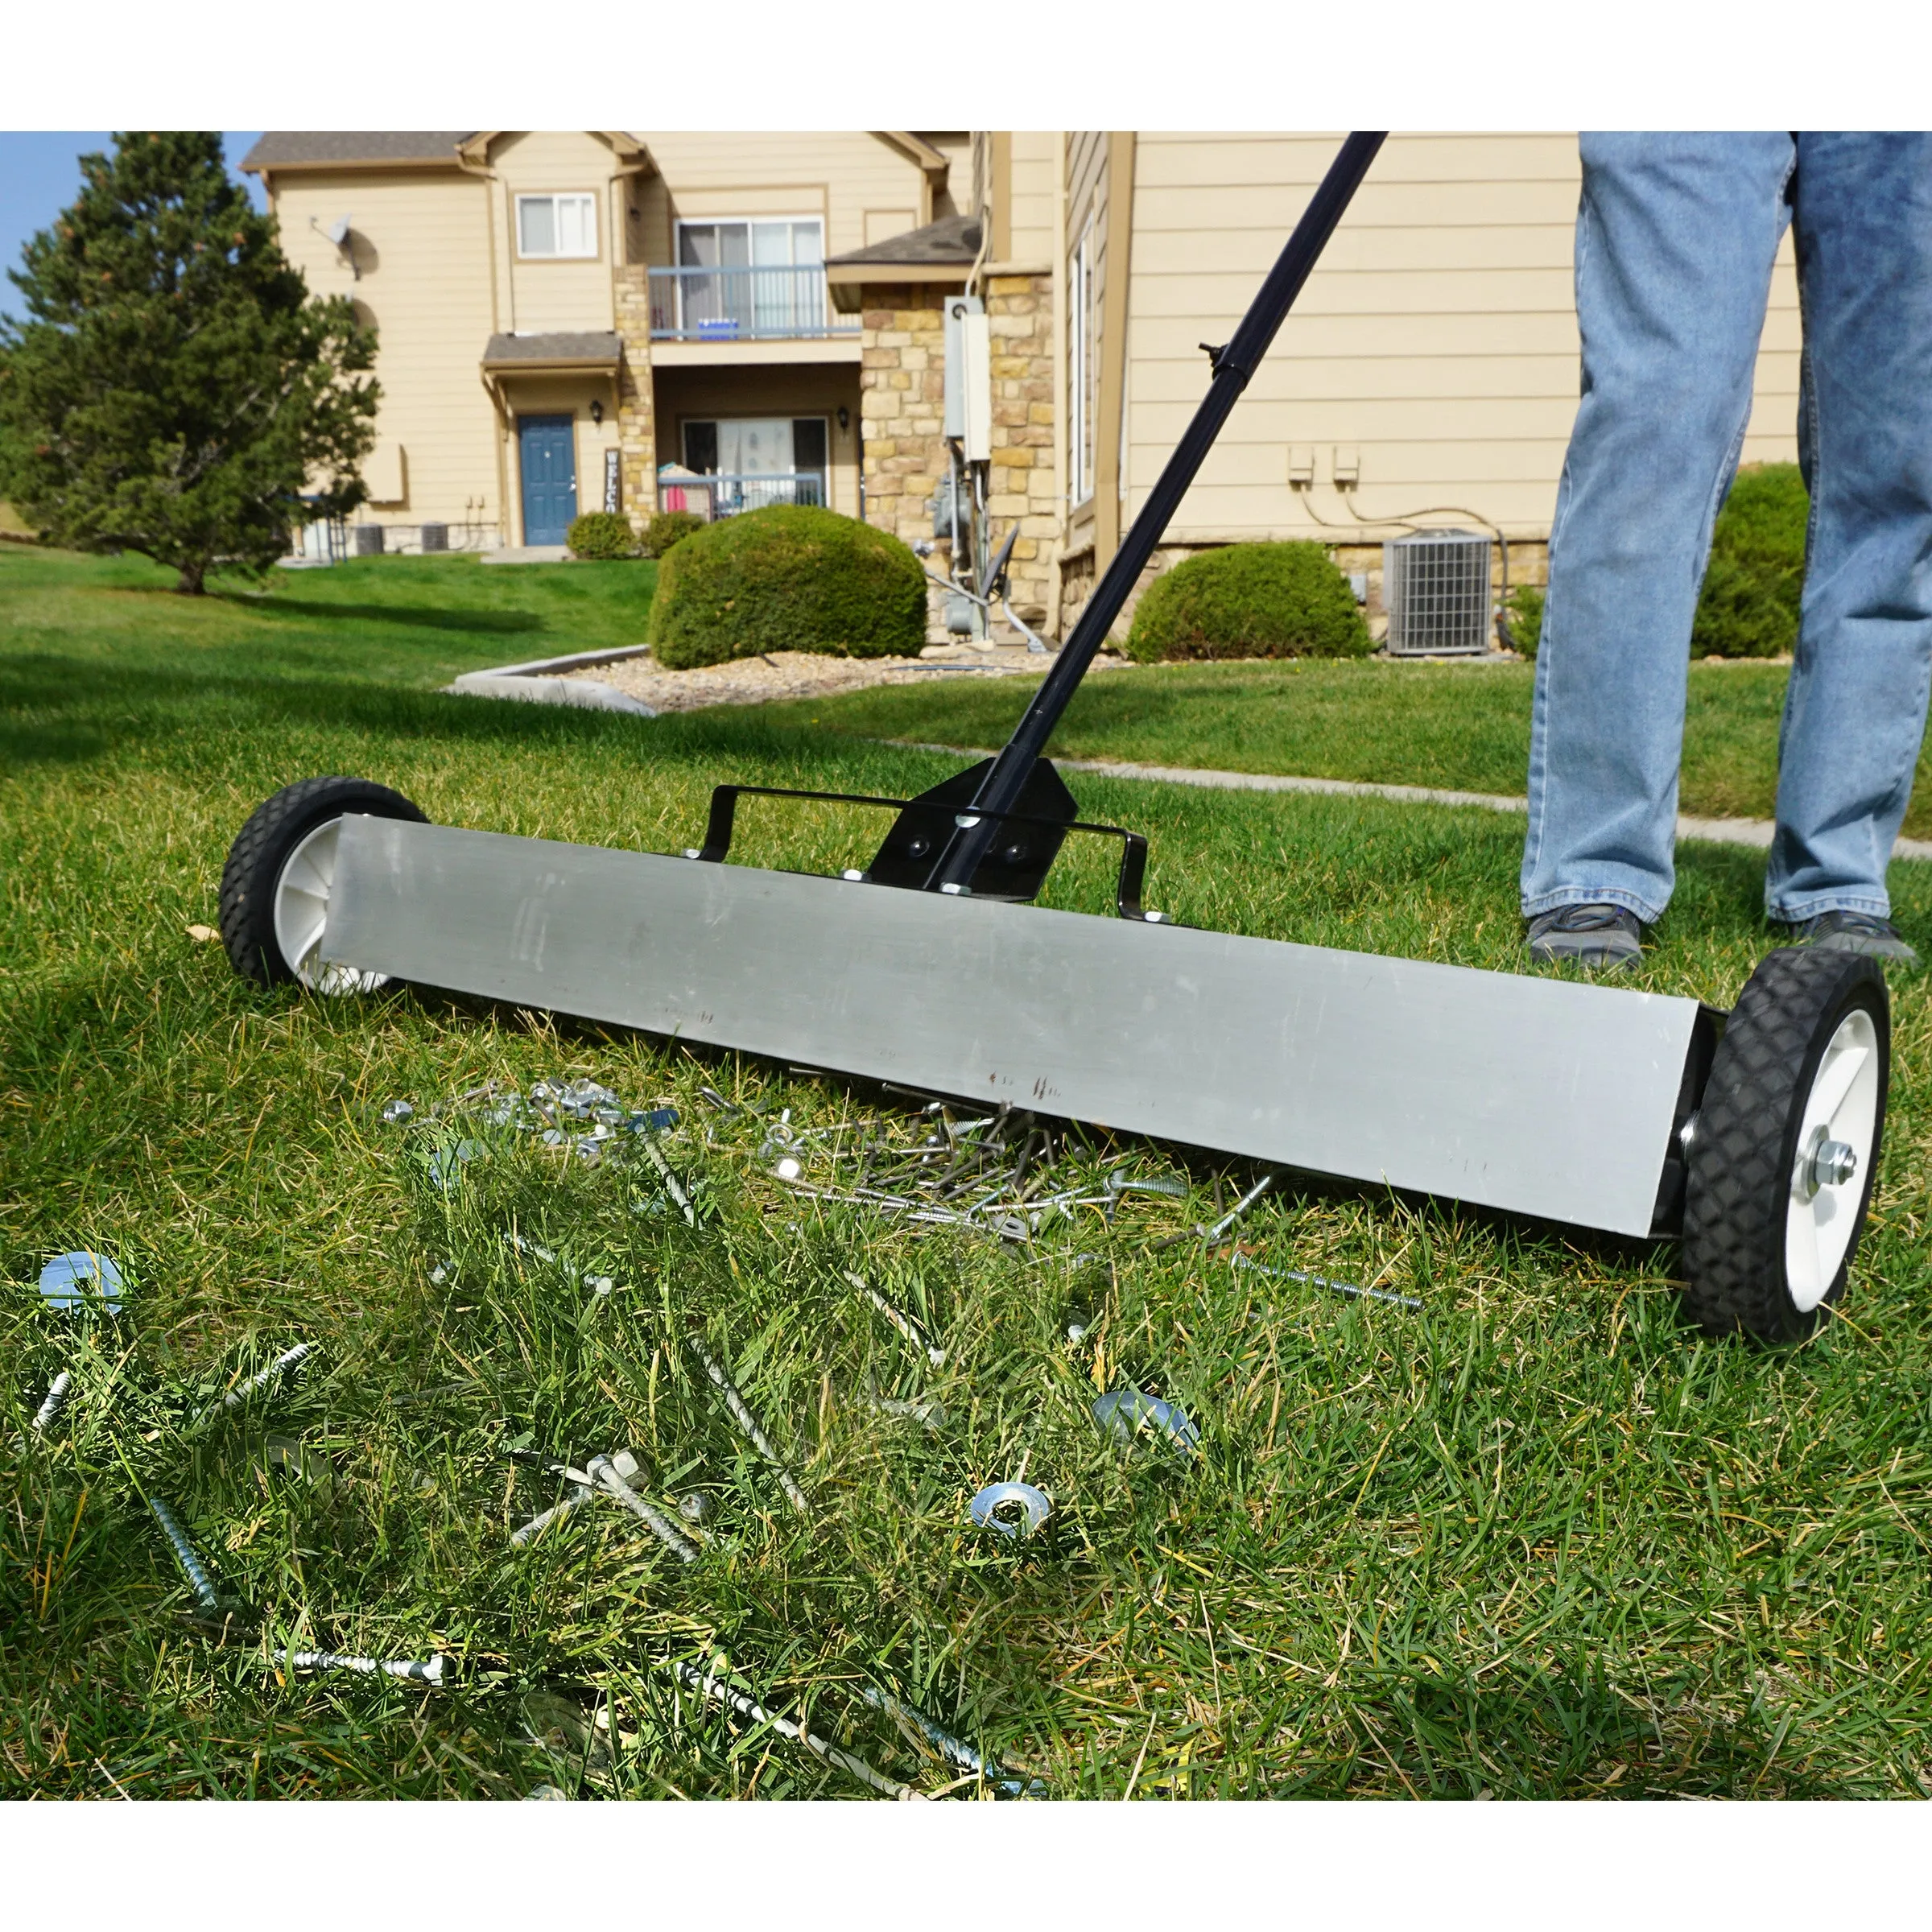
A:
(1675, 238)
(1855, 709)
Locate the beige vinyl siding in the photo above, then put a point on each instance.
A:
(1033, 190)
(423, 247)
(546, 294)
(1437, 339)
(750, 174)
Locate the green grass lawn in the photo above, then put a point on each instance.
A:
(1462, 727)
(1536, 1538)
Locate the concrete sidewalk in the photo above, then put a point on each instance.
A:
(1717, 832)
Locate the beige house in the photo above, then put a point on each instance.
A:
(1428, 376)
(563, 315)
(560, 314)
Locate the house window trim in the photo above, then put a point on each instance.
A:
(596, 252)
(1082, 374)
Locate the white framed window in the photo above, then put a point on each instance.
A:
(557, 228)
(1083, 366)
(788, 241)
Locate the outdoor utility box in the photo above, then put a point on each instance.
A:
(436, 537)
(969, 377)
(1435, 588)
(369, 539)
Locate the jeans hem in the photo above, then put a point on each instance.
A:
(1797, 913)
(1593, 895)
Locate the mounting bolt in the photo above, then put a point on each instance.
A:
(1834, 1164)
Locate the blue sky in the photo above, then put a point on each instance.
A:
(39, 175)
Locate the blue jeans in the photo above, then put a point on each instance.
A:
(1675, 237)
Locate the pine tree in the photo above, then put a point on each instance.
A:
(174, 391)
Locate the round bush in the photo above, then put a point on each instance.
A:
(600, 535)
(667, 527)
(1748, 605)
(1250, 601)
(787, 578)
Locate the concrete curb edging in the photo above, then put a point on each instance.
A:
(1716, 832)
(538, 682)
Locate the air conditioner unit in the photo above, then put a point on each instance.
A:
(1435, 588)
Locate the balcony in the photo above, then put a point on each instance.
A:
(732, 496)
(744, 305)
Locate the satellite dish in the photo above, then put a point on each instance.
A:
(338, 232)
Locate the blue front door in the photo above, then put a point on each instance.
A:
(548, 447)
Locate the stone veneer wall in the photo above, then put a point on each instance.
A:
(636, 430)
(1019, 484)
(902, 407)
(903, 414)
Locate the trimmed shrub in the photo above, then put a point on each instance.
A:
(667, 527)
(1525, 611)
(600, 536)
(1250, 601)
(787, 578)
(1748, 606)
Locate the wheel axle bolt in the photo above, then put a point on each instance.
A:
(1834, 1164)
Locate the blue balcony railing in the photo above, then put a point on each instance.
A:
(732, 496)
(742, 305)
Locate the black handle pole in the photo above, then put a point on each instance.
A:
(1233, 367)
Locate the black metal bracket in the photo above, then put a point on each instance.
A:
(721, 823)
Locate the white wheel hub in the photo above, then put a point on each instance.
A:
(301, 893)
(1835, 1138)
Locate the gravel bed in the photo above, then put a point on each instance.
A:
(802, 674)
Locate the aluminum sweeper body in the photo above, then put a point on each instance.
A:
(1751, 1137)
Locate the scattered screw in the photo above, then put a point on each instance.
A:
(398, 1111)
(905, 1324)
(952, 1748)
(694, 1507)
(184, 1555)
(604, 1471)
(55, 1396)
(721, 1692)
(431, 1672)
(748, 1423)
(236, 1396)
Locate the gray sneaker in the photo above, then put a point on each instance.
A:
(1609, 938)
(1856, 932)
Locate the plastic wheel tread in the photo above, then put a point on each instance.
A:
(1743, 1148)
(262, 850)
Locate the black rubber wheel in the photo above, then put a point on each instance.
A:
(252, 879)
(1767, 1242)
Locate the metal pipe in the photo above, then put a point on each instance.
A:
(1234, 364)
